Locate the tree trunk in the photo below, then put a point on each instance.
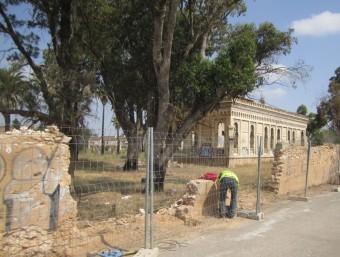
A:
(159, 177)
(131, 162)
(7, 118)
(161, 52)
(73, 156)
(103, 124)
(118, 141)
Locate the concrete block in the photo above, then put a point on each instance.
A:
(147, 252)
(251, 215)
(298, 198)
(336, 189)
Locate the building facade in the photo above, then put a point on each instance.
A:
(232, 134)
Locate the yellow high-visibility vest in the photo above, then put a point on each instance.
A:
(229, 174)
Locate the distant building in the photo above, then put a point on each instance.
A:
(232, 133)
(110, 142)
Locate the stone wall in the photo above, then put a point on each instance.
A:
(37, 211)
(290, 167)
(201, 199)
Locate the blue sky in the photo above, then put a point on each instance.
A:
(316, 25)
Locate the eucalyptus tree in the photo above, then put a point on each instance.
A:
(328, 110)
(167, 64)
(65, 74)
(333, 102)
(119, 35)
(195, 84)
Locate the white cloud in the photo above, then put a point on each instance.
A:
(318, 25)
(273, 93)
(269, 94)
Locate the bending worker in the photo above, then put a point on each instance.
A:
(228, 180)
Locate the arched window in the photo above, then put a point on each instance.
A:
(278, 135)
(265, 138)
(271, 138)
(220, 135)
(236, 135)
(302, 139)
(252, 137)
(194, 139)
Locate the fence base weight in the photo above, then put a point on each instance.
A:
(298, 198)
(251, 215)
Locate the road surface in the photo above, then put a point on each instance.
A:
(300, 229)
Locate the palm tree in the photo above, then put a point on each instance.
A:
(117, 127)
(103, 99)
(13, 88)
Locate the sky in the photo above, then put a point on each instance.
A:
(316, 25)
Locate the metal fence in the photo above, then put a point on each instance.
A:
(118, 209)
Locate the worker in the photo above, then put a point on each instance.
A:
(228, 181)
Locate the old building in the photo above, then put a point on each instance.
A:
(110, 143)
(232, 133)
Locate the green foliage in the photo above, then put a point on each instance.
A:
(126, 51)
(333, 102)
(17, 91)
(328, 111)
(272, 42)
(235, 66)
(330, 137)
(317, 138)
(193, 80)
(199, 80)
(16, 124)
(316, 121)
(302, 109)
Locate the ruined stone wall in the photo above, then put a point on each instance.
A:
(290, 167)
(36, 209)
(201, 199)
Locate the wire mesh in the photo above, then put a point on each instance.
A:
(103, 206)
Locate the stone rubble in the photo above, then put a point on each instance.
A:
(38, 212)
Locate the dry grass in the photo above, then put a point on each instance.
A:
(104, 190)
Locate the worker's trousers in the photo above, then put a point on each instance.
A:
(226, 184)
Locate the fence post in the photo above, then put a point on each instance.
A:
(336, 188)
(338, 175)
(151, 189)
(258, 204)
(307, 172)
(257, 215)
(147, 181)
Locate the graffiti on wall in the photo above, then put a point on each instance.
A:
(206, 151)
(29, 188)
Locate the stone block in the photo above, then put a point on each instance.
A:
(201, 199)
(147, 253)
(250, 215)
(298, 198)
(34, 180)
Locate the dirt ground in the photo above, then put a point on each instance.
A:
(127, 234)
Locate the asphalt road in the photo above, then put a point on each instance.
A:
(300, 229)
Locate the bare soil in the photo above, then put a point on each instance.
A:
(127, 233)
